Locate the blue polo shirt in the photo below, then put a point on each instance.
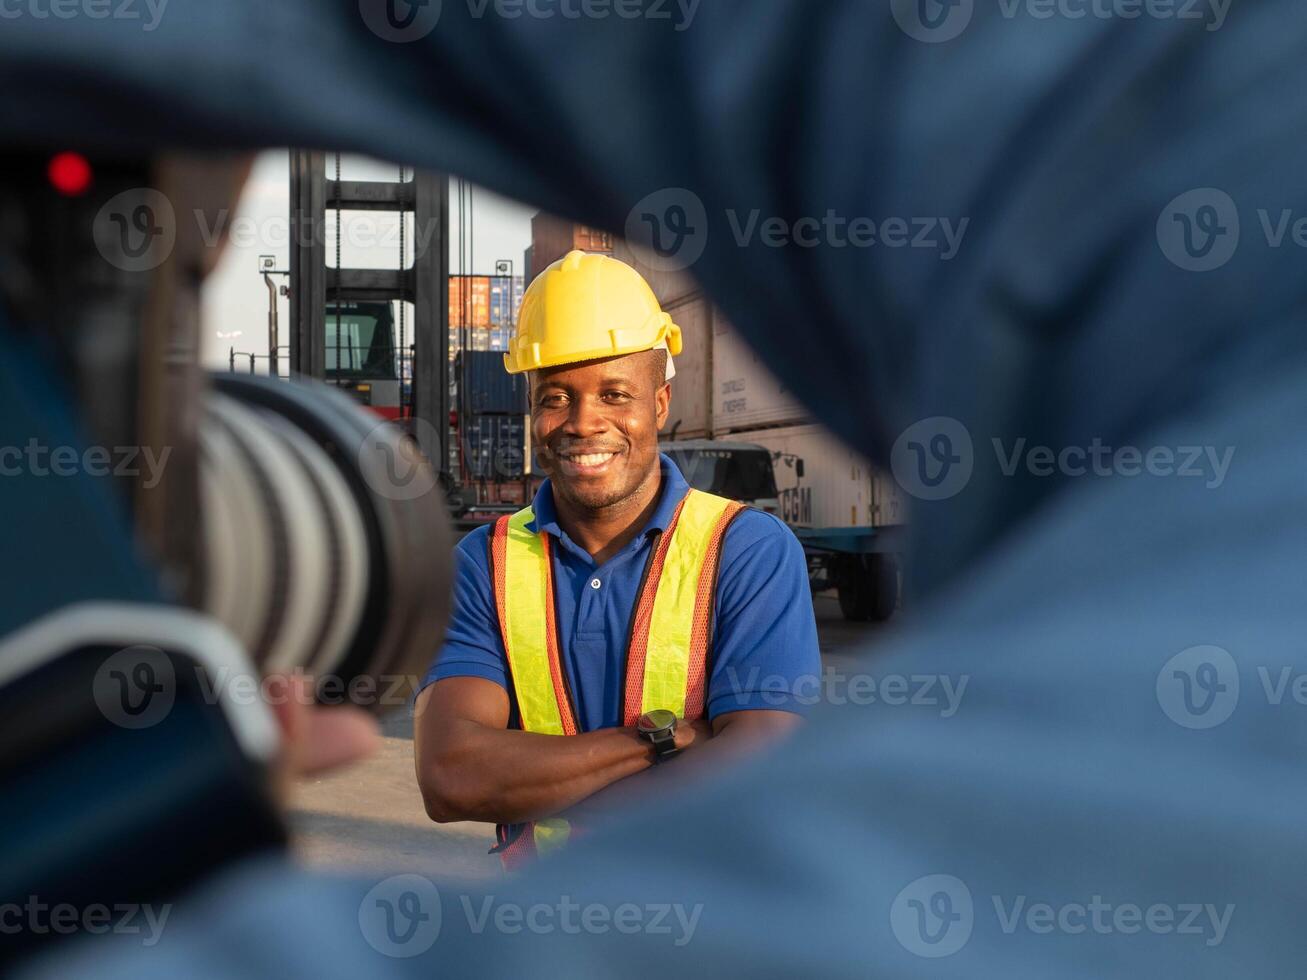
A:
(764, 653)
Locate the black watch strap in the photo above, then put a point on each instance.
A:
(664, 743)
(658, 728)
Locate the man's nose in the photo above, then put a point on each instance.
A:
(586, 418)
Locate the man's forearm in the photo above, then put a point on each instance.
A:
(736, 736)
(503, 776)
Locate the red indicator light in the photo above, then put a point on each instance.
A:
(70, 174)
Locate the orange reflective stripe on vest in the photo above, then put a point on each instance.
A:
(666, 660)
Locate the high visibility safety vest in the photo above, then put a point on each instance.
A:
(666, 656)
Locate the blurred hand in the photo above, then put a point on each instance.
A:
(316, 739)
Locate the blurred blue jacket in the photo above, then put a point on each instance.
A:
(1086, 767)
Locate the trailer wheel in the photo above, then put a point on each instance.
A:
(869, 588)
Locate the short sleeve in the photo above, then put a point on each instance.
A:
(765, 653)
(473, 647)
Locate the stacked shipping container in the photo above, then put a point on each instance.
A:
(493, 436)
(487, 307)
(485, 301)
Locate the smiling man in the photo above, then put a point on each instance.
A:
(623, 619)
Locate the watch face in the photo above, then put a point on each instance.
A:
(655, 721)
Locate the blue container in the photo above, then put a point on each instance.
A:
(493, 447)
(490, 390)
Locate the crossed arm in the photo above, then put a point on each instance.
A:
(471, 766)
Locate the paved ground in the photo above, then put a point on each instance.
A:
(370, 819)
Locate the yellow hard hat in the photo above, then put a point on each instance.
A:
(584, 307)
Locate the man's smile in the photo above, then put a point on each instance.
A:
(575, 463)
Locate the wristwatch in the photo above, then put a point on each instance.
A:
(658, 728)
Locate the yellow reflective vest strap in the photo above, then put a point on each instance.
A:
(550, 835)
(524, 595)
(677, 636)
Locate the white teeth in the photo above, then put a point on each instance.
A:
(592, 459)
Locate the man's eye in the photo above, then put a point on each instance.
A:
(552, 401)
(616, 396)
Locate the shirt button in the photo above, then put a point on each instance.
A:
(595, 583)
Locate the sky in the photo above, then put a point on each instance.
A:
(235, 300)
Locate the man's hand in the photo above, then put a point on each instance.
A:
(692, 733)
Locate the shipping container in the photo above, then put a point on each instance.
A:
(746, 395)
(512, 494)
(488, 388)
(506, 299)
(469, 301)
(552, 238)
(838, 488)
(691, 410)
(669, 287)
(493, 447)
(470, 338)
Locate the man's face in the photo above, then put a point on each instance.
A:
(595, 426)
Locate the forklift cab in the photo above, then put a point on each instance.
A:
(361, 356)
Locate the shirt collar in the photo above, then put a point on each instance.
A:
(670, 495)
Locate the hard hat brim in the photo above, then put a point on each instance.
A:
(526, 356)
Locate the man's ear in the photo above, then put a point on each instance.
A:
(663, 402)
